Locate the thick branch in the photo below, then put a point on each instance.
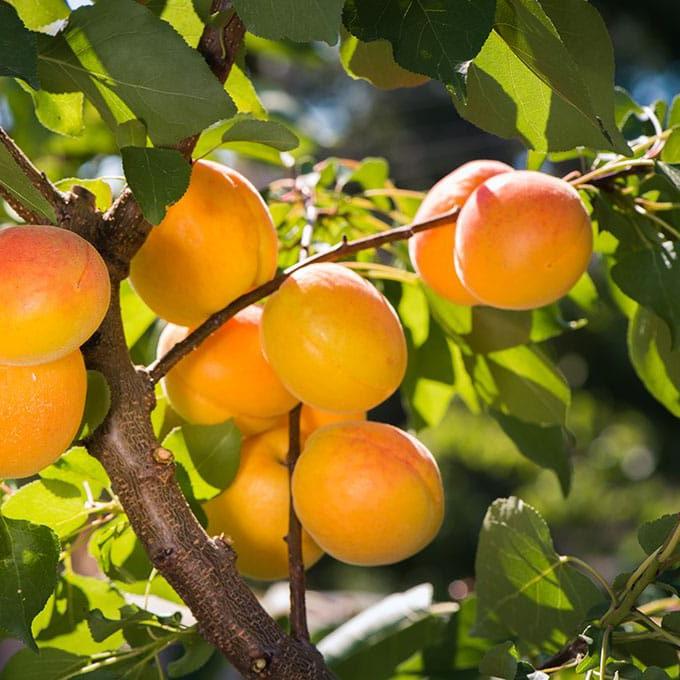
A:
(337, 252)
(296, 567)
(38, 179)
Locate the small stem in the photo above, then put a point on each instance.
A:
(296, 567)
(651, 623)
(659, 606)
(611, 169)
(671, 544)
(157, 370)
(665, 226)
(604, 652)
(591, 571)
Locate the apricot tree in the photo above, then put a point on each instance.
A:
(290, 313)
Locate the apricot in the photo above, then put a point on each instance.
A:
(40, 412)
(54, 293)
(226, 376)
(216, 243)
(333, 339)
(368, 493)
(523, 240)
(253, 510)
(431, 251)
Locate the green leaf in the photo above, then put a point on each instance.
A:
(77, 466)
(651, 535)
(50, 664)
(544, 445)
(37, 14)
(133, 622)
(18, 48)
(137, 317)
(15, 181)
(242, 92)
(29, 555)
(671, 621)
(298, 20)
(97, 404)
(181, 16)
(63, 622)
(197, 653)
(537, 103)
(132, 65)
(61, 113)
(434, 37)
(373, 61)
(655, 673)
(157, 177)
(649, 347)
(371, 645)
(50, 502)
(524, 587)
(267, 132)
(624, 107)
(208, 453)
(651, 277)
(500, 662)
(671, 149)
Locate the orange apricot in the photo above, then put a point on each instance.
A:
(216, 243)
(523, 240)
(54, 293)
(40, 412)
(368, 493)
(253, 510)
(333, 339)
(226, 376)
(431, 251)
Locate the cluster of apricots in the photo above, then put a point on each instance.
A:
(521, 240)
(54, 293)
(327, 339)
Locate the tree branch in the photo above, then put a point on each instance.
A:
(296, 567)
(38, 179)
(161, 367)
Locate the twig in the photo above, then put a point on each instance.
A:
(296, 567)
(160, 368)
(38, 179)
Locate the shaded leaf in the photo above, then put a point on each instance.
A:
(157, 177)
(652, 535)
(197, 653)
(29, 555)
(18, 48)
(266, 132)
(140, 69)
(50, 664)
(500, 662)
(432, 37)
(97, 404)
(298, 20)
(544, 445)
(524, 587)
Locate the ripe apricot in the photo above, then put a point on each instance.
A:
(40, 411)
(253, 510)
(54, 293)
(333, 339)
(523, 240)
(431, 251)
(216, 243)
(368, 493)
(226, 376)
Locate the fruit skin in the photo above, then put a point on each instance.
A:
(368, 493)
(431, 251)
(523, 240)
(333, 339)
(216, 243)
(253, 510)
(40, 412)
(54, 293)
(227, 376)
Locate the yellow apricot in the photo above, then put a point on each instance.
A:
(216, 243)
(54, 293)
(253, 510)
(40, 411)
(523, 240)
(431, 251)
(368, 493)
(226, 376)
(333, 339)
